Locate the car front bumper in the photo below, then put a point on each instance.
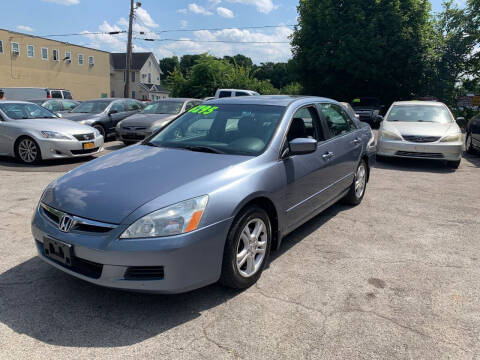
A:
(187, 261)
(138, 135)
(451, 151)
(57, 149)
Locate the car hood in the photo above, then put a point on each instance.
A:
(421, 128)
(146, 120)
(111, 187)
(59, 125)
(80, 116)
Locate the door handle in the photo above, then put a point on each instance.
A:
(328, 155)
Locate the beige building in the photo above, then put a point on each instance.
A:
(31, 61)
(144, 77)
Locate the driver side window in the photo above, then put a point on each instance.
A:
(305, 124)
(118, 106)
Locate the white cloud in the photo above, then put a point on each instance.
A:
(214, 2)
(183, 24)
(224, 12)
(24, 28)
(182, 11)
(64, 2)
(264, 6)
(144, 17)
(197, 9)
(116, 43)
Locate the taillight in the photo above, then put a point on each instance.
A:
(48, 95)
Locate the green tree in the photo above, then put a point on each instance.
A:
(187, 62)
(168, 65)
(240, 60)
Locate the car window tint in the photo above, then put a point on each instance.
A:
(118, 106)
(305, 124)
(67, 94)
(337, 121)
(224, 94)
(69, 105)
(241, 93)
(53, 106)
(56, 94)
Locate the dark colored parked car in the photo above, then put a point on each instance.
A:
(472, 139)
(369, 110)
(104, 114)
(206, 197)
(154, 116)
(57, 105)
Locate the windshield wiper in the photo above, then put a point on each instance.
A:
(206, 149)
(149, 143)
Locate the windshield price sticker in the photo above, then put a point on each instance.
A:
(203, 109)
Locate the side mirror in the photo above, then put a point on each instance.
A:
(302, 146)
(112, 112)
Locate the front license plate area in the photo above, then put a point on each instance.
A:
(58, 251)
(88, 145)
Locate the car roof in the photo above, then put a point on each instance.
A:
(418, 102)
(278, 100)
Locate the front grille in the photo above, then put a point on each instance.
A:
(83, 137)
(84, 151)
(81, 266)
(419, 154)
(421, 139)
(133, 137)
(134, 128)
(144, 273)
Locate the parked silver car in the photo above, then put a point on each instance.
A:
(31, 133)
(155, 116)
(420, 129)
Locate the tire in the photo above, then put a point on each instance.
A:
(468, 144)
(246, 271)
(453, 164)
(101, 130)
(359, 185)
(27, 151)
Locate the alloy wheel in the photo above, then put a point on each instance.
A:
(252, 247)
(27, 151)
(360, 180)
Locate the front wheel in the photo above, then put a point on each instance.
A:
(247, 248)
(101, 130)
(27, 151)
(359, 185)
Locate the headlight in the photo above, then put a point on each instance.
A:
(96, 132)
(54, 135)
(388, 135)
(175, 219)
(452, 138)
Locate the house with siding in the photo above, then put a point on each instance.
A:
(144, 76)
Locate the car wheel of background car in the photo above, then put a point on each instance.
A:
(468, 144)
(247, 248)
(27, 150)
(453, 164)
(359, 185)
(101, 130)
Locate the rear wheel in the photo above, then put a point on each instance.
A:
(469, 145)
(247, 248)
(359, 185)
(28, 151)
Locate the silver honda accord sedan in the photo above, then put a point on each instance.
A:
(420, 129)
(31, 133)
(207, 197)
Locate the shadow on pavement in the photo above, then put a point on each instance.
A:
(472, 159)
(55, 308)
(415, 165)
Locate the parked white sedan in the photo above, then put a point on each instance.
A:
(31, 133)
(420, 129)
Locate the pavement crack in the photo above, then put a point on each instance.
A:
(218, 344)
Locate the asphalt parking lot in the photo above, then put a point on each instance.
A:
(395, 277)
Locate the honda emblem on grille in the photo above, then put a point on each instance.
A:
(66, 223)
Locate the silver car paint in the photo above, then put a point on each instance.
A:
(135, 181)
(12, 129)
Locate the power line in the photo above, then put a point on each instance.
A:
(227, 28)
(216, 41)
(88, 33)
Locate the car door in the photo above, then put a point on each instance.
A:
(307, 176)
(117, 112)
(345, 145)
(475, 129)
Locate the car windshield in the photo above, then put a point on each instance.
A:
(420, 113)
(91, 107)
(368, 102)
(163, 107)
(38, 102)
(26, 111)
(222, 129)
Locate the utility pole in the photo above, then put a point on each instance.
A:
(126, 92)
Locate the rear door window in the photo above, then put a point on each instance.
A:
(69, 105)
(225, 94)
(241, 93)
(55, 94)
(337, 121)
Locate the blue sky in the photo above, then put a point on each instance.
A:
(45, 17)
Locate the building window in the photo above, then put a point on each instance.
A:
(80, 59)
(149, 78)
(133, 95)
(30, 51)
(133, 76)
(91, 61)
(44, 53)
(68, 57)
(15, 48)
(55, 55)
(112, 93)
(1, 46)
